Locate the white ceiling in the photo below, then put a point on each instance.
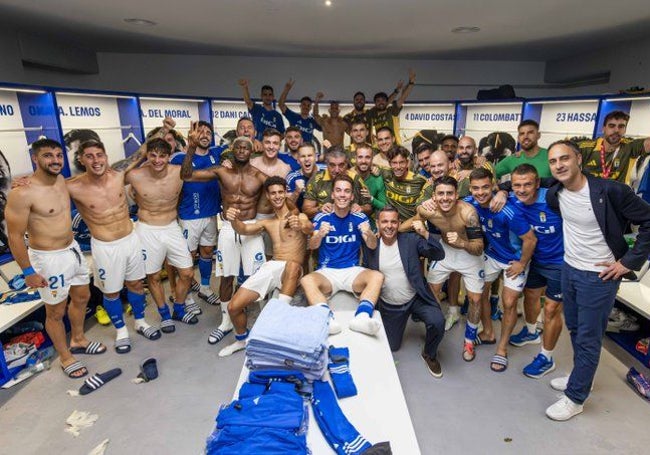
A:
(510, 29)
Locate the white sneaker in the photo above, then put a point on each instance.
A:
(560, 384)
(451, 320)
(563, 409)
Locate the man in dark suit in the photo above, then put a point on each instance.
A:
(595, 213)
(405, 290)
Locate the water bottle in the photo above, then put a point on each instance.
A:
(40, 356)
(40, 366)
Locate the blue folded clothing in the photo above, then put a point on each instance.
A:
(297, 329)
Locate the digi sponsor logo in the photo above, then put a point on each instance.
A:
(333, 239)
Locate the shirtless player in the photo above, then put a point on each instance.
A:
(462, 241)
(100, 197)
(334, 126)
(241, 188)
(157, 186)
(53, 263)
(287, 229)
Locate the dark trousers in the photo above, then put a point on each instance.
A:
(395, 318)
(588, 301)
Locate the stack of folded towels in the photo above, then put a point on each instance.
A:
(289, 338)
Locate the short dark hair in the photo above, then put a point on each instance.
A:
(385, 128)
(359, 93)
(445, 180)
(159, 145)
(616, 115)
(480, 173)
(387, 209)
(396, 151)
(266, 87)
(380, 95)
(572, 145)
(449, 136)
(364, 146)
(358, 121)
(274, 180)
(91, 143)
(291, 129)
(272, 132)
(305, 98)
(45, 143)
(524, 169)
(529, 122)
(245, 119)
(204, 123)
(424, 147)
(343, 177)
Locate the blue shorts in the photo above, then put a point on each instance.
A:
(549, 275)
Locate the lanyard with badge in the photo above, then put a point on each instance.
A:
(607, 170)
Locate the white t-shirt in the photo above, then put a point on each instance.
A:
(584, 242)
(396, 289)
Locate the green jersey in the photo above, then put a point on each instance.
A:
(539, 162)
(404, 194)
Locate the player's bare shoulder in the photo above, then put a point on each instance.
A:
(468, 214)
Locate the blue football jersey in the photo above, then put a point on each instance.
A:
(502, 231)
(341, 246)
(199, 199)
(306, 125)
(263, 119)
(547, 225)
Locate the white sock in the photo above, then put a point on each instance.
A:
(532, 328)
(238, 345)
(363, 323)
(122, 333)
(454, 309)
(285, 298)
(141, 324)
(547, 354)
(226, 324)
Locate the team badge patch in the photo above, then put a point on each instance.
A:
(542, 217)
(489, 223)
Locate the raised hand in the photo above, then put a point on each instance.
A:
(289, 84)
(243, 83)
(319, 96)
(411, 76)
(169, 123)
(193, 135)
(419, 228)
(324, 229)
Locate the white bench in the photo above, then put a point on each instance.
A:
(379, 411)
(11, 314)
(636, 294)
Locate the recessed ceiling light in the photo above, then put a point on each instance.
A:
(465, 30)
(137, 21)
(328, 2)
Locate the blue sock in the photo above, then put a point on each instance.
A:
(471, 331)
(114, 309)
(137, 303)
(339, 368)
(164, 312)
(179, 309)
(205, 270)
(243, 336)
(365, 306)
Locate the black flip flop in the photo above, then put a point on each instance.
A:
(149, 369)
(97, 380)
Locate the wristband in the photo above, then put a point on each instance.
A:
(29, 271)
(411, 83)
